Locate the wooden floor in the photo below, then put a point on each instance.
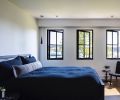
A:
(112, 92)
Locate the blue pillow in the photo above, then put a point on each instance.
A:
(6, 70)
(27, 60)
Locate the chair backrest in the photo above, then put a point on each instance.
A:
(118, 67)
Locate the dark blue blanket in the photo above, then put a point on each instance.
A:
(64, 72)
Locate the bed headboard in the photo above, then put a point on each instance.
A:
(6, 57)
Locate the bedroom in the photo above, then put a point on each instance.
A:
(19, 28)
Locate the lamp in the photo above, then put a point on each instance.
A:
(107, 67)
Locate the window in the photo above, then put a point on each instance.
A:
(84, 44)
(112, 44)
(54, 44)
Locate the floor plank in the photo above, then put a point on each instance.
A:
(112, 92)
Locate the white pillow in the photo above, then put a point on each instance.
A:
(23, 69)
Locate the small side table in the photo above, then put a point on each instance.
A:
(106, 71)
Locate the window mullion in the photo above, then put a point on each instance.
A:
(78, 53)
(117, 44)
(49, 35)
(49, 44)
(62, 44)
(89, 44)
(56, 44)
(112, 44)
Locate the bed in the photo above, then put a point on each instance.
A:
(57, 83)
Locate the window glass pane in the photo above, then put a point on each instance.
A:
(52, 51)
(114, 37)
(52, 37)
(81, 37)
(119, 37)
(86, 51)
(91, 52)
(81, 51)
(114, 51)
(91, 45)
(85, 44)
(59, 38)
(119, 53)
(86, 37)
(109, 37)
(90, 38)
(113, 44)
(109, 51)
(55, 44)
(59, 51)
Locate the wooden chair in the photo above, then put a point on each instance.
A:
(117, 72)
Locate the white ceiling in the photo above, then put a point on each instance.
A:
(71, 8)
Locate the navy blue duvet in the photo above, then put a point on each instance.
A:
(59, 83)
(64, 72)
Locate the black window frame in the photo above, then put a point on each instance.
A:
(84, 58)
(48, 43)
(113, 30)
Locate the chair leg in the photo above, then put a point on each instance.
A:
(110, 79)
(116, 77)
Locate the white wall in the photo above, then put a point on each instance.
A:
(18, 31)
(70, 26)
